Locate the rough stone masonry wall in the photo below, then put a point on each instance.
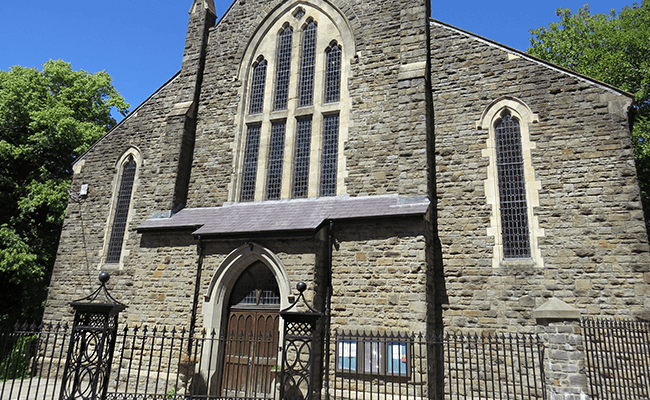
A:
(386, 150)
(595, 248)
(378, 275)
(79, 256)
(302, 258)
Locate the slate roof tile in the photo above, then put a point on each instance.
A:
(285, 215)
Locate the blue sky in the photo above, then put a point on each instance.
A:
(140, 42)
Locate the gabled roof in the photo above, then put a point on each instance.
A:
(125, 119)
(549, 65)
(285, 216)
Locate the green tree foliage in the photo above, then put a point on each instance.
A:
(613, 48)
(48, 118)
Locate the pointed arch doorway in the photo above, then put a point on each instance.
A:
(252, 335)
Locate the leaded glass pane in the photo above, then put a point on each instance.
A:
(333, 75)
(257, 89)
(276, 156)
(307, 65)
(512, 188)
(250, 163)
(284, 70)
(330, 155)
(121, 212)
(301, 159)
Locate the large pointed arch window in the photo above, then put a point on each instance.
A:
(122, 207)
(294, 124)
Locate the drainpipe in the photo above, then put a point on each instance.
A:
(328, 309)
(197, 285)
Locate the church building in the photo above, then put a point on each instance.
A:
(417, 177)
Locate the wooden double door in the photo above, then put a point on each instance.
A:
(251, 354)
(250, 363)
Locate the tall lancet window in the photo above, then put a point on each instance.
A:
(307, 65)
(257, 88)
(333, 73)
(330, 155)
(512, 188)
(283, 74)
(276, 156)
(301, 158)
(250, 163)
(121, 211)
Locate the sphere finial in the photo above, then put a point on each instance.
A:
(104, 277)
(301, 286)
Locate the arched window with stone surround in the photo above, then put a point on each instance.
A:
(307, 100)
(512, 187)
(122, 207)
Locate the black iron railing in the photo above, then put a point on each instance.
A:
(618, 358)
(32, 360)
(172, 364)
(154, 363)
(408, 366)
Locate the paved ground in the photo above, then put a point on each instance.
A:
(30, 389)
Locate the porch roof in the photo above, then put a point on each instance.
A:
(285, 215)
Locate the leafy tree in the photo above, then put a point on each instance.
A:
(48, 118)
(613, 48)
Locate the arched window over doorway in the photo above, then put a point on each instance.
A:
(252, 336)
(256, 287)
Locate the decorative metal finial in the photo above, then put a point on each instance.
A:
(301, 287)
(104, 277)
(100, 295)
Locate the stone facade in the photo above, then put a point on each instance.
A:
(594, 247)
(432, 262)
